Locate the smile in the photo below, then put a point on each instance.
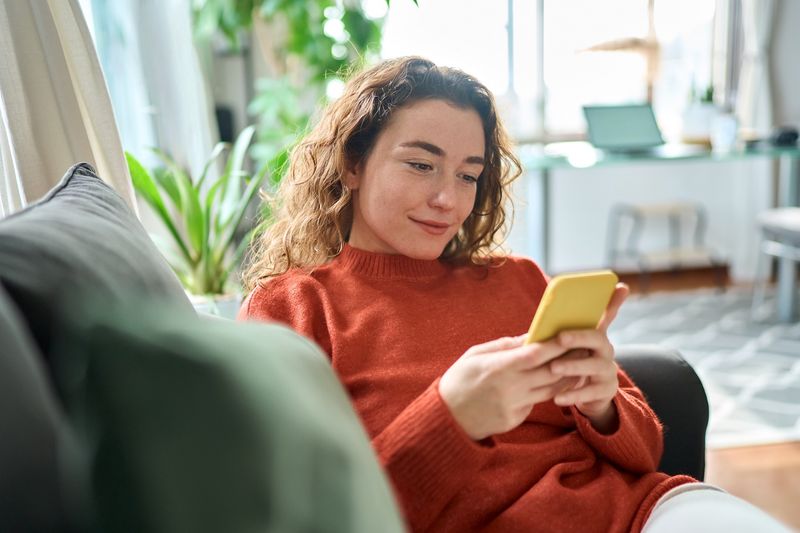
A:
(433, 228)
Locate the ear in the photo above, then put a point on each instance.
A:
(352, 177)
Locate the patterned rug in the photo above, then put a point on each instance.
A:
(750, 369)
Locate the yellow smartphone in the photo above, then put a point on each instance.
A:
(572, 301)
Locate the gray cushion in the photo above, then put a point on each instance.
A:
(80, 236)
(29, 428)
(782, 224)
(210, 425)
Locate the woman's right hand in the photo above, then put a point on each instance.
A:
(492, 388)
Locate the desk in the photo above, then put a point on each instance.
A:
(545, 158)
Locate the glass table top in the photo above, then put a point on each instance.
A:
(579, 154)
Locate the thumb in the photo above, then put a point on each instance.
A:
(496, 345)
(621, 292)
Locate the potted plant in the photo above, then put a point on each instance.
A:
(699, 116)
(202, 219)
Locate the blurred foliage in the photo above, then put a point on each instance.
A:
(317, 41)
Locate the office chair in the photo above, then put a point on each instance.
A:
(780, 238)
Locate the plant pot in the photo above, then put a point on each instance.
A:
(697, 123)
(221, 305)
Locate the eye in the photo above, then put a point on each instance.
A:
(469, 179)
(422, 167)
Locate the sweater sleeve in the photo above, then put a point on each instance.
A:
(637, 444)
(429, 457)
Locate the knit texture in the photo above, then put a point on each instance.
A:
(393, 325)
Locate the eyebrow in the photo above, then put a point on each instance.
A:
(435, 150)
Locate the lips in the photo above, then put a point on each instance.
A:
(431, 226)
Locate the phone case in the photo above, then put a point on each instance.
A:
(572, 301)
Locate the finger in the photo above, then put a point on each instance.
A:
(571, 355)
(530, 356)
(593, 366)
(591, 339)
(496, 345)
(568, 383)
(587, 394)
(576, 353)
(548, 392)
(617, 299)
(540, 376)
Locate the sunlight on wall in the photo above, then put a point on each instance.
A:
(472, 35)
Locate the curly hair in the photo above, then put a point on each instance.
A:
(313, 209)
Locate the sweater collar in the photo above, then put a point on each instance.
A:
(381, 265)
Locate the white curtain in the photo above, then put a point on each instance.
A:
(54, 107)
(754, 101)
(160, 95)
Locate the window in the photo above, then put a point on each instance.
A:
(466, 34)
(473, 35)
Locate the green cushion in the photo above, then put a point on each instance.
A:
(205, 425)
(81, 234)
(29, 429)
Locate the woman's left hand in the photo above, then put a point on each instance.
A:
(594, 394)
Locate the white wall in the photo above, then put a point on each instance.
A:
(732, 193)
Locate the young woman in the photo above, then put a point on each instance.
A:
(385, 251)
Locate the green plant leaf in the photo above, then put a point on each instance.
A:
(229, 228)
(195, 221)
(182, 181)
(167, 182)
(190, 209)
(210, 251)
(146, 187)
(238, 254)
(218, 148)
(175, 259)
(232, 188)
(239, 150)
(171, 164)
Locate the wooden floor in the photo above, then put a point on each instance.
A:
(766, 476)
(676, 279)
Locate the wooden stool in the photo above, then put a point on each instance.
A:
(680, 217)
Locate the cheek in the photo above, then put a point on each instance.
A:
(381, 202)
(467, 203)
(391, 197)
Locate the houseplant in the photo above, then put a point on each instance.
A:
(305, 46)
(201, 216)
(699, 117)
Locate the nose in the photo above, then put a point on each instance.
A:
(444, 195)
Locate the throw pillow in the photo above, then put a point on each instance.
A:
(80, 236)
(29, 425)
(203, 425)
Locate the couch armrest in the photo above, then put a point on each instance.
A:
(676, 394)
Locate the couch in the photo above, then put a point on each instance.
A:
(121, 409)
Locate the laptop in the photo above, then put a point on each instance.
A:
(628, 128)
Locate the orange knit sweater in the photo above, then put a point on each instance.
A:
(392, 325)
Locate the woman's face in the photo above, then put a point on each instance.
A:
(418, 184)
